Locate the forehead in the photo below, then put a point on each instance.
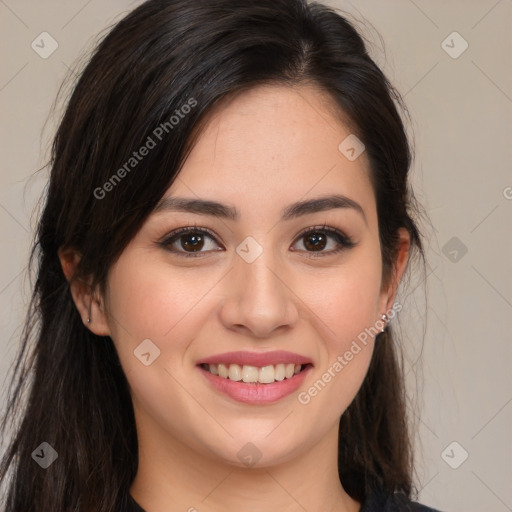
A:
(272, 145)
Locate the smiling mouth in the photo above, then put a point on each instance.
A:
(249, 374)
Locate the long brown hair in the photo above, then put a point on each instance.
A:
(68, 388)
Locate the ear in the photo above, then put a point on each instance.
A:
(388, 293)
(89, 302)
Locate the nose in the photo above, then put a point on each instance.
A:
(259, 300)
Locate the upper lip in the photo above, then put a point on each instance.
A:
(256, 358)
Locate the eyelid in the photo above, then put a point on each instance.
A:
(327, 229)
(188, 229)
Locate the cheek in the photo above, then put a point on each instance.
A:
(345, 311)
(344, 306)
(346, 300)
(148, 300)
(155, 302)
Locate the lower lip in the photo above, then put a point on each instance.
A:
(256, 393)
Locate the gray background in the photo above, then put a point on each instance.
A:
(461, 111)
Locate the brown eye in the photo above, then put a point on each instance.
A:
(316, 239)
(190, 241)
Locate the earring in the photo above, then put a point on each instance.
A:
(89, 319)
(384, 318)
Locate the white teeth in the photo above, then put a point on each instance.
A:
(235, 372)
(250, 373)
(266, 375)
(280, 372)
(247, 373)
(223, 371)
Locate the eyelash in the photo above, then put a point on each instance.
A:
(344, 242)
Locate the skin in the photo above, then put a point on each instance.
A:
(260, 152)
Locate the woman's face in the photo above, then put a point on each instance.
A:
(248, 280)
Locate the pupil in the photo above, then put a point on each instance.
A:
(318, 241)
(195, 244)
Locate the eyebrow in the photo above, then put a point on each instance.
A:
(219, 210)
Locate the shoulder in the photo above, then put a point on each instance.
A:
(379, 501)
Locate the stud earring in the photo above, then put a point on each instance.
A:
(384, 318)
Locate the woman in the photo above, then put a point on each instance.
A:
(226, 225)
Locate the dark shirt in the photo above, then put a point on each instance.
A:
(377, 501)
